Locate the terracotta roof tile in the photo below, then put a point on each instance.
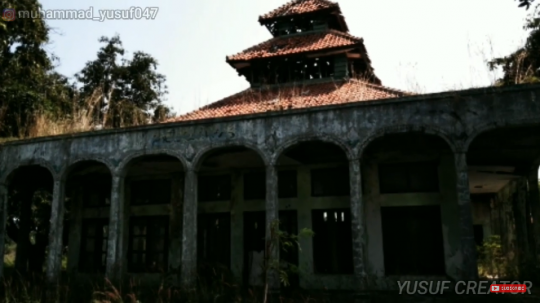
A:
(302, 43)
(253, 101)
(299, 7)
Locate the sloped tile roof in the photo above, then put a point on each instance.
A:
(253, 101)
(297, 7)
(301, 43)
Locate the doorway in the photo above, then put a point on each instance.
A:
(213, 243)
(413, 240)
(254, 246)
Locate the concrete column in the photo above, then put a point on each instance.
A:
(469, 268)
(175, 226)
(519, 209)
(116, 228)
(272, 214)
(3, 218)
(357, 222)
(534, 204)
(54, 256)
(189, 231)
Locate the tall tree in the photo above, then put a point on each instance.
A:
(130, 88)
(27, 79)
(523, 65)
(28, 82)
(525, 3)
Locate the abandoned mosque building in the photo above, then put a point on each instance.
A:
(392, 184)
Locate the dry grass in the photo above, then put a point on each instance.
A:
(81, 119)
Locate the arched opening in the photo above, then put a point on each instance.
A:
(411, 215)
(503, 177)
(30, 190)
(314, 193)
(231, 200)
(88, 200)
(153, 201)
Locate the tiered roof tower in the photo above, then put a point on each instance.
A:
(311, 60)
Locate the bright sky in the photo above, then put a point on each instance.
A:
(426, 45)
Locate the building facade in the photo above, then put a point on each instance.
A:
(394, 185)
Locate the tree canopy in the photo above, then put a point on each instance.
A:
(525, 3)
(114, 90)
(523, 65)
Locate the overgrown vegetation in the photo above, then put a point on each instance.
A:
(523, 65)
(492, 263)
(110, 91)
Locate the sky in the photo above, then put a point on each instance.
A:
(419, 45)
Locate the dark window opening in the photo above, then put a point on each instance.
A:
(93, 256)
(332, 243)
(214, 243)
(287, 184)
(478, 234)
(408, 178)
(148, 244)
(412, 240)
(145, 192)
(330, 182)
(286, 70)
(214, 188)
(97, 192)
(255, 185)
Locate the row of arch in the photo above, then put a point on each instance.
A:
(266, 157)
(351, 152)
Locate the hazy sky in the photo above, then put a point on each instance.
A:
(427, 45)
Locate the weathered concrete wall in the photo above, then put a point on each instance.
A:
(458, 117)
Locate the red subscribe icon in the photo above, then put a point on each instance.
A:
(508, 288)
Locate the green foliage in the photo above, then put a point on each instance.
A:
(492, 262)
(285, 241)
(27, 78)
(523, 65)
(130, 89)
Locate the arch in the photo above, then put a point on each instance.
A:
(307, 138)
(400, 129)
(34, 162)
(198, 159)
(486, 127)
(121, 168)
(68, 168)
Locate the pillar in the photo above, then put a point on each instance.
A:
(54, 256)
(189, 231)
(116, 228)
(3, 218)
(357, 222)
(469, 270)
(175, 226)
(534, 204)
(272, 215)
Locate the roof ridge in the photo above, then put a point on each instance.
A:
(382, 87)
(289, 5)
(345, 34)
(308, 33)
